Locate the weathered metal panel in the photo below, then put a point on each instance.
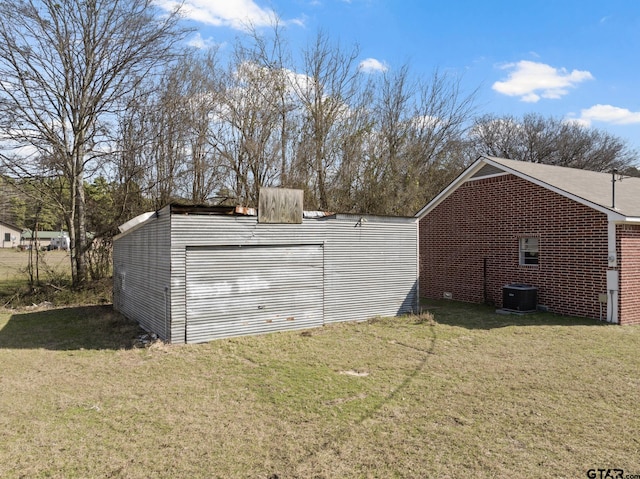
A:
(327, 269)
(371, 269)
(370, 263)
(141, 276)
(233, 291)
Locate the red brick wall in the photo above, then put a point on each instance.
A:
(483, 220)
(628, 245)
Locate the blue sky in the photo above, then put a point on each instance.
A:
(578, 60)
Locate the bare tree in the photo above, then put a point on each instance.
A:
(205, 172)
(248, 128)
(416, 145)
(330, 80)
(270, 51)
(165, 117)
(350, 146)
(591, 149)
(496, 136)
(65, 66)
(163, 137)
(552, 141)
(130, 160)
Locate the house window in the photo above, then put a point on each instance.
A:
(7, 237)
(528, 250)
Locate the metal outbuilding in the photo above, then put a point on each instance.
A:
(192, 274)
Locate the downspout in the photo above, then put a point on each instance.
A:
(613, 270)
(613, 276)
(418, 266)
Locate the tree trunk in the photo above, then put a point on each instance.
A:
(81, 233)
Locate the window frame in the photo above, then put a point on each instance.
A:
(528, 252)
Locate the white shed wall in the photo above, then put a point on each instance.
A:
(141, 275)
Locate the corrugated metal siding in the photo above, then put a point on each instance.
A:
(370, 267)
(141, 275)
(234, 291)
(370, 270)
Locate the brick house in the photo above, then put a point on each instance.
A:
(572, 234)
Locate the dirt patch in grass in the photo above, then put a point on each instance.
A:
(458, 392)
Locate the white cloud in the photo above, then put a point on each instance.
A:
(201, 43)
(371, 65)
(577, 121)
(237, 14)
(608, 114)
(532, 81)
(425, 122)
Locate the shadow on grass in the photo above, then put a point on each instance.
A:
(85, 327)
(480, 316)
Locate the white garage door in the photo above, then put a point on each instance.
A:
(233, 291)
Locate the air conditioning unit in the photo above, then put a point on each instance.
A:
(519, 297)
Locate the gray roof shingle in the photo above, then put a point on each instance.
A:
(592, 186)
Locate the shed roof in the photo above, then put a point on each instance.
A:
(592, 188)
(229, 211)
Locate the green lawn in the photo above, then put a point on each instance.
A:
(458, 392)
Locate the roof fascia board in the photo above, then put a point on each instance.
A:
(625, 220)
(453, 186)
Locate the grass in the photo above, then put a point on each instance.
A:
(456, 392)
(13, 263)
(55, 279)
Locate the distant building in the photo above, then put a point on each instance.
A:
(9, 234)
(55, 239)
